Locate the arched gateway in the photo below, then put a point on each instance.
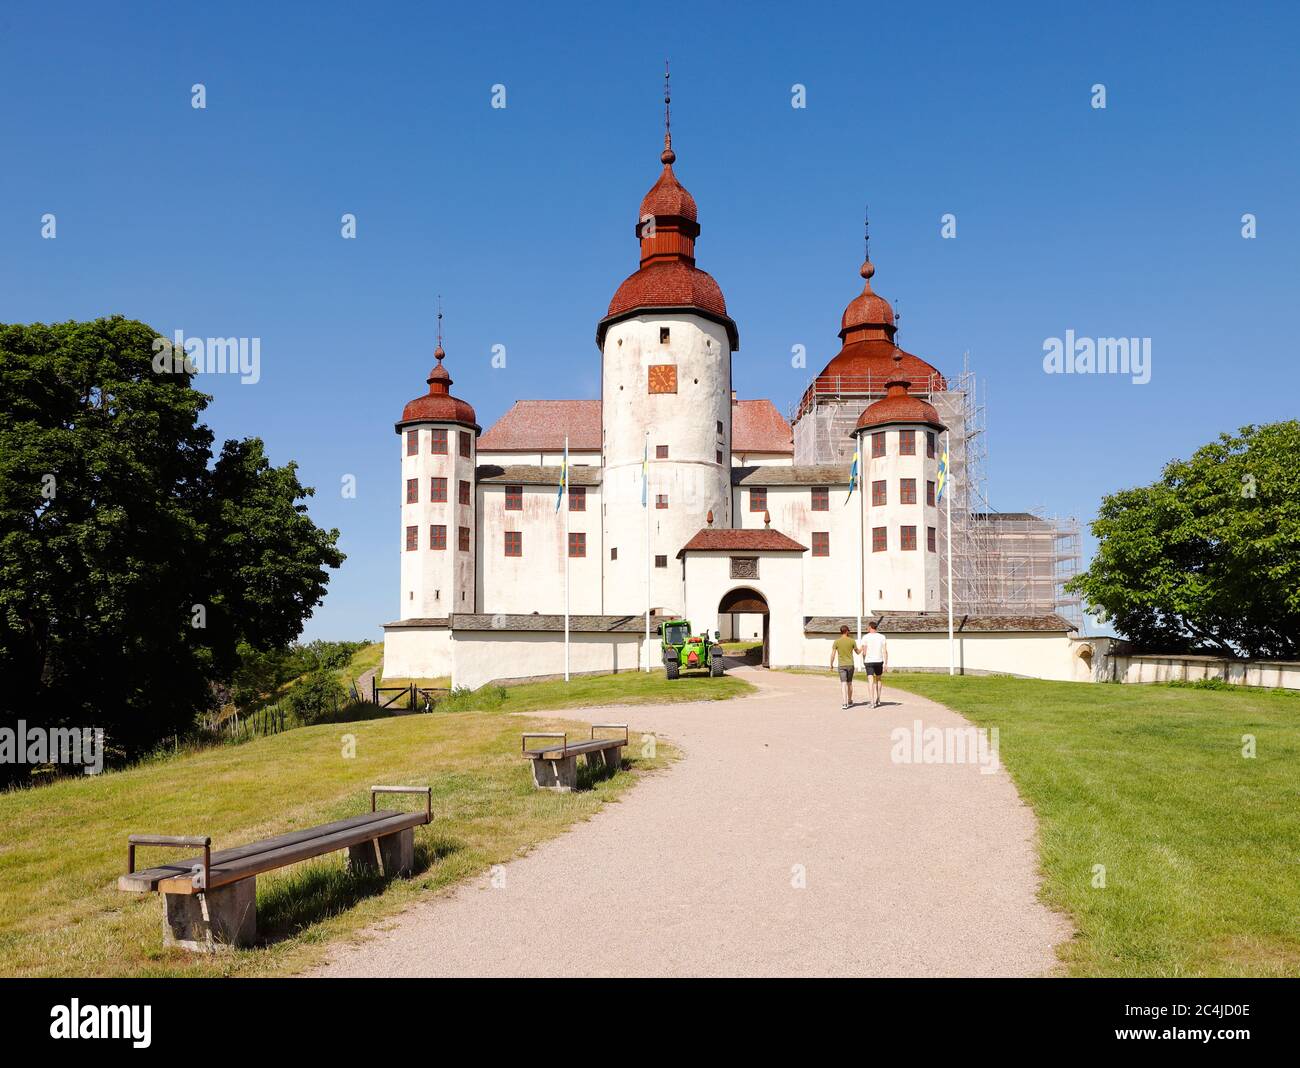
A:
(745, 600)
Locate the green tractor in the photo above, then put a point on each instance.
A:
(683, 651)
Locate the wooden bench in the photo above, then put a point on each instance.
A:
(555, 767)
(210, 901)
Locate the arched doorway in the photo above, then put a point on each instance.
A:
(745, 600)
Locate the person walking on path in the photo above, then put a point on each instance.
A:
(842, 654)
(875, 656)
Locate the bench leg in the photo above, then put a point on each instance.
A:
(397, 853)
(216, 920)
(605, 761)
(363, 858)
(556, 774)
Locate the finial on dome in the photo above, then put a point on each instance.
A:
(437, 352)
(668, 156)
(709, 518)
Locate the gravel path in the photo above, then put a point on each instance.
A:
(907, 869)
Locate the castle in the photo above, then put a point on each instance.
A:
(683, 499)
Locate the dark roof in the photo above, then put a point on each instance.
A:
(532, 475)
(998, 517)
(429, 621)
(803, 475)
(517, 622)
(927, 622)
(728, 539)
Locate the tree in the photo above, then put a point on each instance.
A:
(1207, 558)
(131, 568)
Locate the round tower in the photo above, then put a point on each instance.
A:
(439, 445)
(899, 442)
(666, 346)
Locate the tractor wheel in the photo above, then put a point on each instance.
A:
(715, 667)
(672, 669)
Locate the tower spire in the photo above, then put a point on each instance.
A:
(668, 156)
(866, 233)
(437, 352)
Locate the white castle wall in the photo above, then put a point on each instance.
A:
(480, 657)
(685, 421)
(1038, 655)
(436, 582)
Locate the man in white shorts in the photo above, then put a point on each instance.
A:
(875, 656)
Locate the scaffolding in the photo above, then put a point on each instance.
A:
(1003, 564)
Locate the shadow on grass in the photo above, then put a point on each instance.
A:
(589, 774)
(315, 892)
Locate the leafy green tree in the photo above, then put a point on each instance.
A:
(131, 566)
(1207, 558)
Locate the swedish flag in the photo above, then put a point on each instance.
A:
(943, 475)
(564, 476)
(853, 476)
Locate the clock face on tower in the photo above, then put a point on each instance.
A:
(663, 378)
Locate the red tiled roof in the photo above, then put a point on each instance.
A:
(542, 424)
(438, 405)
(756, 426)
(726, 539)
(897, 407)
(668, 197)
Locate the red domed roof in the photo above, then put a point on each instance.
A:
(670, 284)
(867, 310)
(897, 406)
(668, 196)
(438, 405)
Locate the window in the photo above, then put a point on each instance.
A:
(930, 539)
(412, 538)
(577, 544)
(412, 442)
(717, 456)
(412, 490)
(661, 452)
(821, 499)
(663, 378)
(439, 442)
(514, 543)
(613, 552)
(821, 545)
(907, 491)
(664, 335)
(661, 561)
(907, 536)
(878, 443)
(463, 492)
(744, 567)
(661, 500)
(929, 445)
(438, 537)
(464, 442)
(720, 437)
(462, 539)
(929, 493)
(878, 495)
(577, 498)
(514, 498)
(438, 490)
(758, 500)
(878, 541)
(907, 443)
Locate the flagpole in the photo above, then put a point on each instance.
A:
(862, 543)
(565, 487)
(947, 486)
(645, 503)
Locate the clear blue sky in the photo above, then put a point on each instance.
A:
(225, 221)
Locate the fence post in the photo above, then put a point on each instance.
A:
(374, 691)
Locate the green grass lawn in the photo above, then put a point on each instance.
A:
(1201, 846)
(65, 844)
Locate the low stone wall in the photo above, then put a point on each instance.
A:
(1036, 655)
(482, 656)
(1146, 667)
(417, 650)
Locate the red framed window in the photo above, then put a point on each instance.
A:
(464, 442)
(462, 538)
(821, 499)
(821, 543)
(878, 443)
(907, 491)
(577, 544)
(907, 443)
(929, 445)
(661, 452)
(412, 490)
(758, 500)
(438, 440)
(929, 493)
(879, 495)
(577, 498)
(514, 543)
(462, 493)
(930, 539)
(437, 536)
(661, 500)
(412, 442)
(412, 539)
(907, 538)
(879, 543)
(438, 490)
(514, 498)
